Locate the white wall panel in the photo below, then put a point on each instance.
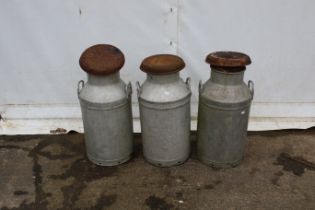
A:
(278, 35)
(41, 41)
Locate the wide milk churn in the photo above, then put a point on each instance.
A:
(106, 106)
(224, 105)
(164, 100)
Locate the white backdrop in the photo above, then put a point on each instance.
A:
(41, 41)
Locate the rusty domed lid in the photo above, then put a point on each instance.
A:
(102, 59)
(228, 60)
(162, 64)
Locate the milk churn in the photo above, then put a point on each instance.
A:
(164, 100)
(224, 104)
(106, 106)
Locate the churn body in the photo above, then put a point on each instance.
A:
(107, 118)
(164, 101)
(224, 106)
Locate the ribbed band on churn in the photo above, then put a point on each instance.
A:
(102, 59)
(162, 64)
(228, 61)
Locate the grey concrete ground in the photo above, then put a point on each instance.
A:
(52, 172)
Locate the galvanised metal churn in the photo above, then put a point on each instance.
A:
(106, 106)
(224, 105)
(164, 101)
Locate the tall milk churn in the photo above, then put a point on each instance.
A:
(224, 105)
(164, 100)
(106, 106)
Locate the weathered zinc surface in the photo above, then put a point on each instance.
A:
(52, 172)
(106, 106)
(164, 102)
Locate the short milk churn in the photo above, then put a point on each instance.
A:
(224, 105)
(106, 106)
(164, 100)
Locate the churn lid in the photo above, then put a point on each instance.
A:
(102, 59)
(162, 64)
(228, 61)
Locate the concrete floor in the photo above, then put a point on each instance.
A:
(52, 172)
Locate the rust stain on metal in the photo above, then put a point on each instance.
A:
(162, 64)
(228, 61)
(58, 131)
(102, 59)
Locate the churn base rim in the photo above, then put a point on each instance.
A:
(109, 162)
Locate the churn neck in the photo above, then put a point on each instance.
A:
(163, 78)
(103, 79)
(227, 67)
(227, 78)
